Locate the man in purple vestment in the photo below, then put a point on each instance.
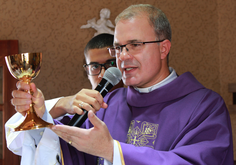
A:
(160, 118)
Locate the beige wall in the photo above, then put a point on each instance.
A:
(203, 42)
(227, 54)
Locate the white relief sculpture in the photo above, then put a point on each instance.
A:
(103, 25)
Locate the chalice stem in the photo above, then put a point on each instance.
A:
(32, 120)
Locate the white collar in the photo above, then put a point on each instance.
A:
(167, 80)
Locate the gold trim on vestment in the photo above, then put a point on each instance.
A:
(62, 159)
(121, 153)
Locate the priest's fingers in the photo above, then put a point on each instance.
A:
(21, 101)
(21, 85)
(74, 135)
(86, 140)
(88, 99)
(22, 109)
(38, 100)
(20, 97)
(34, 90)
(20, 94)
(103, 140)
(97, 123)
(96, 140)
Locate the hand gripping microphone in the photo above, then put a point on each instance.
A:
(112, 76)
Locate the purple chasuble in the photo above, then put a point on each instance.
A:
(179, 123)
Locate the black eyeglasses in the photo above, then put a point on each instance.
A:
(94, 69)
(132, 48)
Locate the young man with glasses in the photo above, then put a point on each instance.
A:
(97, 60)
(161, 118)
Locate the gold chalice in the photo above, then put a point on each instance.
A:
(25, 67)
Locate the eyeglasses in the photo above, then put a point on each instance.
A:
(132, 48)
(94, 69)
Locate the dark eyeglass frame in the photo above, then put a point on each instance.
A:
(101, 65)
(120, 48)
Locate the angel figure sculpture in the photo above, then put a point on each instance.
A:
(103, 25)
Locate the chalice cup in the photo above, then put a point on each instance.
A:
(25, 67)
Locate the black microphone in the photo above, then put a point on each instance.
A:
(112, 76)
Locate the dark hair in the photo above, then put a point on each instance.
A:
(100, 41)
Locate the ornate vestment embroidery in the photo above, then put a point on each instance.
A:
(142, 133)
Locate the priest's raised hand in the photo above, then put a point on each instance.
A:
(95, 141)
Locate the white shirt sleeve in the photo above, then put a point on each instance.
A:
(50, 103)
(23, 144)
(116, 156)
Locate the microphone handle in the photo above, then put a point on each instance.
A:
(77, 119)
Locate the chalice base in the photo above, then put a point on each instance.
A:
(32, 121)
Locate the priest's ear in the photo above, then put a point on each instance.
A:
(165, 48)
